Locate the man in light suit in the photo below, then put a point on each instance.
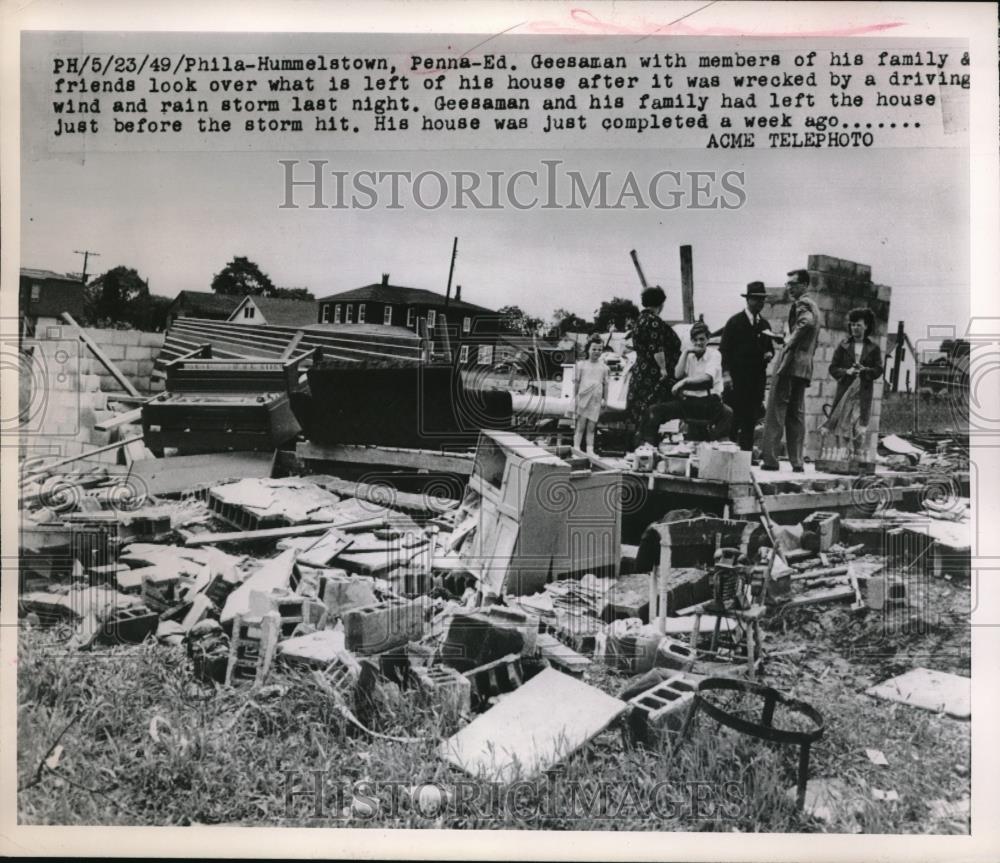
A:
(792, 375)
(746, 351)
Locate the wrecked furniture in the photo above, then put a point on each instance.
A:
(538, 518)
(219, 405)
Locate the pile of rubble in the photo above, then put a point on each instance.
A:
(363, 588)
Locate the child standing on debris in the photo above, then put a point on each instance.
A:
(591, 394)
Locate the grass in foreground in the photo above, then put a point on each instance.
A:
(124, 736)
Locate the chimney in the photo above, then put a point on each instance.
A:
(458, 293)
(385, 280)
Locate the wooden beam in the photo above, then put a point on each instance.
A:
(810, 500)
(50, 467)
(132, 416)
(423, 459)
(184, 473)
(113, 370)
(292, 345)
(277, 532)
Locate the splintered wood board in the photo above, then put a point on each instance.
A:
(931, 690)
(532, 728)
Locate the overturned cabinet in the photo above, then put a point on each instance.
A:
(539, 517)
(214, 405)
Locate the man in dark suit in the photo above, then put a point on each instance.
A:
(792, 375)
(746, 351)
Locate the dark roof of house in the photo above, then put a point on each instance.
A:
(208, 301)
(890, 343)
(281, 311)
(378, 292)
(31, 273)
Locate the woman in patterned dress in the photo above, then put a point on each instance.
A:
(657, 349)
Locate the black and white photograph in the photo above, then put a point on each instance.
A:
(549, 420)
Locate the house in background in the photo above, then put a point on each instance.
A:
(274, 311)
(45, 294)
(202, 304)
(472, 330)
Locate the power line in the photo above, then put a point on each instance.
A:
(86, 256)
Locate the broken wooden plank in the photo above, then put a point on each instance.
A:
(275, 574)
(103, 358)
(932, 690)
(809, 500)
(184, 473)
(275, 532)
(532, 729)
(421, 459)
(132, 416)
(70, 459)
(818, 597)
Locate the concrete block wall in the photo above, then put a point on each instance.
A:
(65, 389)
(837, 286)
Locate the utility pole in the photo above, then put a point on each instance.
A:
(86, 256)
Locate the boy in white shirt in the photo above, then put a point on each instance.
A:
(697, 395)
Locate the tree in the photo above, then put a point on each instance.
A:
(565, 321)
(119, 296)
(292, 293)
(514, 320)
(617, 311)
(240, 277)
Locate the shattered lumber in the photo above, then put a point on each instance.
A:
(113, 370)
(70, 459)
(277, 532)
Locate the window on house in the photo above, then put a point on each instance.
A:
(411, 314)
(349, 314)
(431, 319)
(336, 313)
(463, 354)
(387, 316)
(361, 313)
(326, 313)
(466, 325)
(485, 355)
(36, 292)
(248, 311)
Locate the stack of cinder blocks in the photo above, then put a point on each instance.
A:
(65, 388)
(837, 286)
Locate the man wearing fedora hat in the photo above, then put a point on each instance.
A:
(746, 350)
(792, 374)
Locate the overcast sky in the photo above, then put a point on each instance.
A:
(179, 217)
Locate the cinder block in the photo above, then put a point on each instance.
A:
(144, 368)
(449, 691)
(671, 653)
(151, 340)
(137, 352)
(89, 383)
(341, 592)
(660, 712)
(114, 352)
(128, 367)
(381, 627)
